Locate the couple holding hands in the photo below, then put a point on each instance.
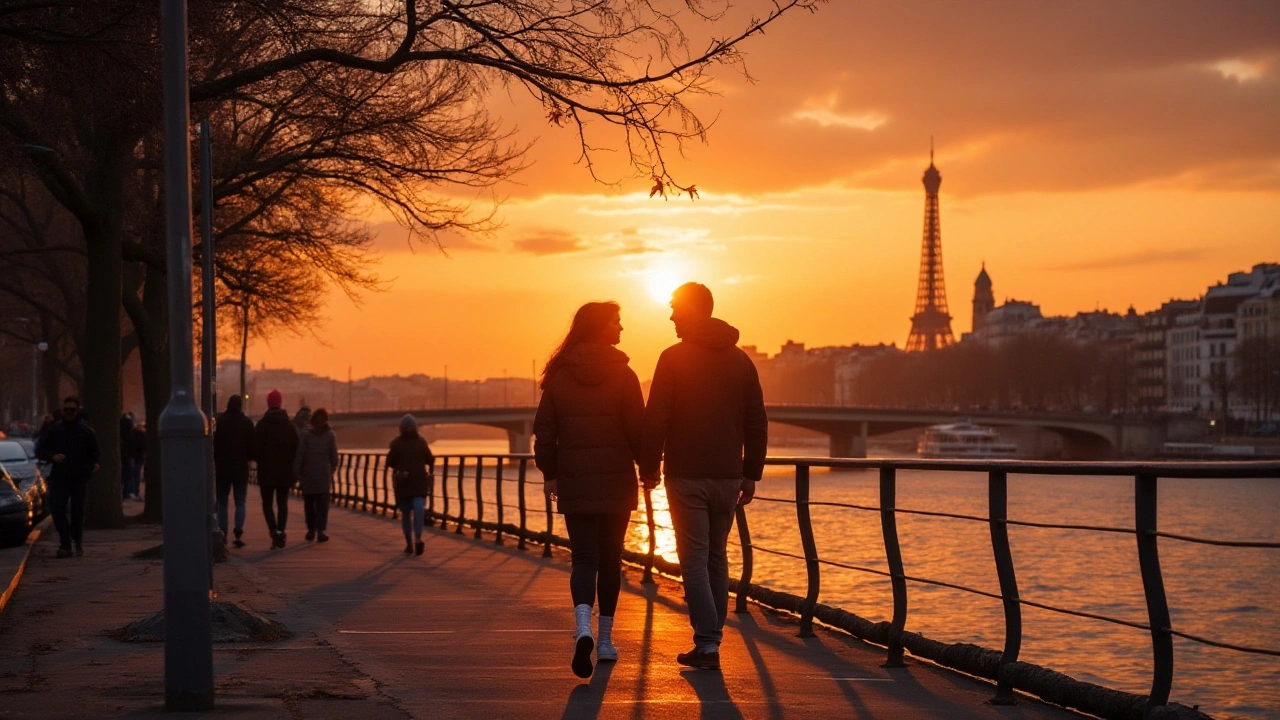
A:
(705, 424)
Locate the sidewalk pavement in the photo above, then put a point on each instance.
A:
(469, 630)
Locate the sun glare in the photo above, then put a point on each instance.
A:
(662, 282)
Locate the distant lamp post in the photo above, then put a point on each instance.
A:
(37, 350)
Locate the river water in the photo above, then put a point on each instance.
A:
(1226, 594)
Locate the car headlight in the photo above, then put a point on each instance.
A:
(9, 500)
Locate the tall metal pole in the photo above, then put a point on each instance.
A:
(188, 644)
(35, 383)
(209, 334)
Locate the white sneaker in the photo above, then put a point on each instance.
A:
(605, 651)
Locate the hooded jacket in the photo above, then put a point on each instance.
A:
(275, 443)
(316, 460)
(410, 453)
(705, 417)
(588, 429)
(232, 444)
(77, 441)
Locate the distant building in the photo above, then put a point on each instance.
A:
(984, 300)
(1148, 354)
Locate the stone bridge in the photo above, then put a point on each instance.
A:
(1083, 436)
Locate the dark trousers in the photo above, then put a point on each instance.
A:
(224, 488)
(61, 493)
(280, 495)
(702, 512)
(596, 541)
(316, 508)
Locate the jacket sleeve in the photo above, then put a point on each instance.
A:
(657, 418)
(426, 453)
(299, 454)
(755, 425)
(333, 452)
(95, 454)
(393, 456)
(46, 445)
(633, 414)
(545, 436)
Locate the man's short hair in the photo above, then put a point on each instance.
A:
(71, 399)
(695, 298)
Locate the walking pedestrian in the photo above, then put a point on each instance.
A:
(410, 461)
(301, 419)
(232, 451)
(126, 455)
(275, 445)
(138, 453)
(71, 446)
(316, 460)
(588, 430)
(706, 424)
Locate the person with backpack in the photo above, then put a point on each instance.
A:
(410, 461)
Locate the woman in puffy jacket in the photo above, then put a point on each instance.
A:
(410, 461)
(588, 432)
(314, 465)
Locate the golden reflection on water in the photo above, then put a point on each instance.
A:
(664, 536)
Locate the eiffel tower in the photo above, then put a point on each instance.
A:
(931, 325)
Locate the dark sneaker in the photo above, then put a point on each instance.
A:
(702, 660)
(280, 539)
(419, 547)
(79, 550)
(582, 648)
(64, 552)
(321, 537)
(238, 542)
(311, 535)
(408, 548)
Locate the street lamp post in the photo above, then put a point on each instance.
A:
(36, 349)
(188, 641)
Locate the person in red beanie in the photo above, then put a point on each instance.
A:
(275, 445)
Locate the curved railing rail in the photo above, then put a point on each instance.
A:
(362, 482)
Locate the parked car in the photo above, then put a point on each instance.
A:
(29, 444)
(25, 471)
(17, 511)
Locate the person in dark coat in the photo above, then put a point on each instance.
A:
(706, 423)
(275, 445)
(71, 446)
(410, 461)
(138, 452)
(127, 489)
(588, 430)
(314, 465)
(232, 451)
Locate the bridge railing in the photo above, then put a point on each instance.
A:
(474, 492)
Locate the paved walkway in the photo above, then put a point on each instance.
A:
(467, 631)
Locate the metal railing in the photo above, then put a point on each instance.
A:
(363, 483)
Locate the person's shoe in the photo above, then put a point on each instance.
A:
(238, 542)
(583, 642)
(280, 539)
(696, 658)
(408, 548)
(79, 550)
(311, 535)
(605, 651)
(64, 552)
(419, 547)
(321, 537)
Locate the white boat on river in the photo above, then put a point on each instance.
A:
(964, 439)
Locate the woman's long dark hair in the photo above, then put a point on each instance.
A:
(587, 324)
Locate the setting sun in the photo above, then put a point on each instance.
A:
(662, 281)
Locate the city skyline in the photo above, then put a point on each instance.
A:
(1145, 164)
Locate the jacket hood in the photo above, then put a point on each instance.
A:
(711, 333)
(589, 363)
(276, 415)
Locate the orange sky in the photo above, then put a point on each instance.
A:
(1094, 154)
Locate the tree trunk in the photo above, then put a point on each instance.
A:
(156, 383)
(244, 348)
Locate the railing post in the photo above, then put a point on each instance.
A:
(364, 483)
(546, 540)
(1145, 507)
(521, 502)
(748, 560)
(998, 499)
(497, 490)
(380, 478)
(462, 496)
(893, 553)
(444, 494)
(479, 495)
(346, 480)
(653, 541)
(810, 551)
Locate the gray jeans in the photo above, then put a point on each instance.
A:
(702, 513)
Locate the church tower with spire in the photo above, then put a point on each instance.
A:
(931, 323)
(984, 301)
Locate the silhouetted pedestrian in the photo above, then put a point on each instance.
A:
(316, 461)
(138, 453)
(126, 456)
(410, 461)
(588, 431)
(232, 451)
(706, 422)
(71, 446)
(275, 445)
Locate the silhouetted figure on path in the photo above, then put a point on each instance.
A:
(127, 489)
(410, 461)
(138, 454)
(71, 446)
(588, 430)
(232, 451)
(706, 423)
(275, 444)
(314, 466)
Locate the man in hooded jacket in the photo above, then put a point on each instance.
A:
(275, 443)
(232, 451)
(705, 422)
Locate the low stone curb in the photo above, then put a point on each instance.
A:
(22, 565)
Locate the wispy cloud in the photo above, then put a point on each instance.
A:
(550, 242)
(1138, 259)
(825, 113)
(1240, 70)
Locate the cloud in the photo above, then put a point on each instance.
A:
(550, 242)
(1241, 71)
(825, 114)
(1139, 259)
